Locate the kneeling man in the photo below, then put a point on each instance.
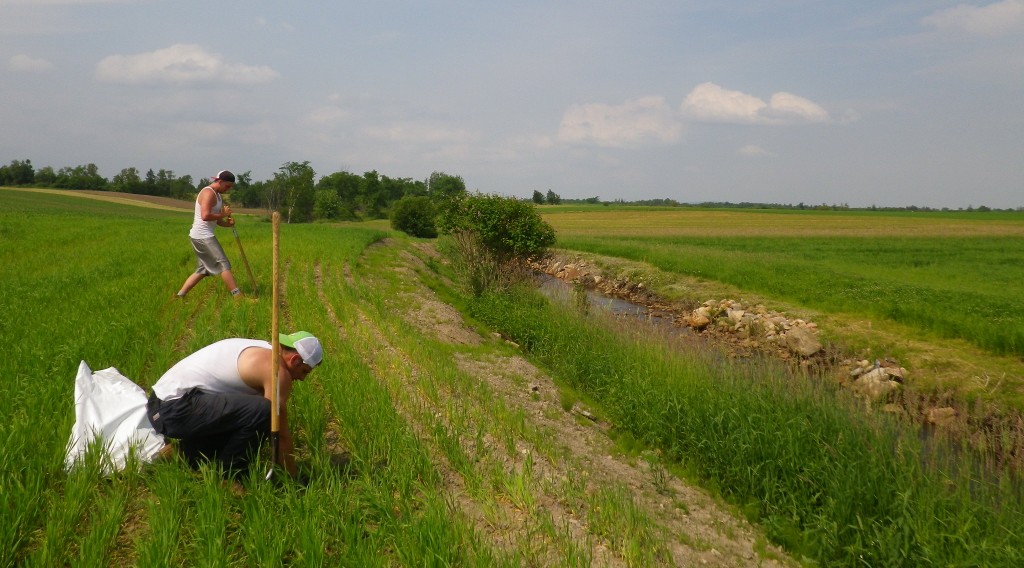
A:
(216, 401)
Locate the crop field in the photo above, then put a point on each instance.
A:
(941, 275)
(581, 444)
(453, 459)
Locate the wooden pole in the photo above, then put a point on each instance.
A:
(275, 352)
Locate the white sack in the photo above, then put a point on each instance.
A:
(112, 407)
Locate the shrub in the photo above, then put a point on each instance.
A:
(414, 215)
(490, 236)
(508, 228)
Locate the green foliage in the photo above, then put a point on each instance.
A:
(347, 185)
(327, 205)
(127, 181)
(507, 227)
(414, 215)
(443, 187)
(552, 198)
(17, 173)
(292, 191)
(538, 197)
(80, 177)
(825, 479)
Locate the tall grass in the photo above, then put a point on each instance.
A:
(823, 477)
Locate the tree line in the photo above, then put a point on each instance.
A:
(293, 190)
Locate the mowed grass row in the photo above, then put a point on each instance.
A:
(85, 280)
(949, 275)
(824, 478)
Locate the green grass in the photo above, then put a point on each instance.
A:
(954, 287)
(93, 281)
(444, 471)
(827, 480)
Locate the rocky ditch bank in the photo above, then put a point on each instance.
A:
(748, 329)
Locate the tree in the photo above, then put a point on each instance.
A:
(18, 173)
(414, 215)
(293, 189)
(347, 185)
(442, 187)
(373, 195)
(45, 176)
(127, 181)
(538, 197)
(491, 235)
(182, 188)
(553, 198)
(80, 177)
(508, 227)
(327, 205)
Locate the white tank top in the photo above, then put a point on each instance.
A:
(213, 368)
(204, 229)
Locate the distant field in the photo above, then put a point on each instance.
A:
(950, 274)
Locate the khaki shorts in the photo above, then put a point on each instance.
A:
(210, 257)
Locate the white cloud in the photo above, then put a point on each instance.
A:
(754, 151)
(647, 119)
(708, 102)
(179, 64)
(994, 19)
(790, 107)
(28, 64)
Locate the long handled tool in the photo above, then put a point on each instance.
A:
(255, 289)
(275, 356)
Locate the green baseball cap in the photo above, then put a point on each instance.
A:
(307, 346)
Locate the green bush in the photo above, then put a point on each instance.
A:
(488, 236)
(414, 215)
(507, 227)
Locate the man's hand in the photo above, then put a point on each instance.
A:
(226, 212)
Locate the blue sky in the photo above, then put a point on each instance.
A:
(865, 103)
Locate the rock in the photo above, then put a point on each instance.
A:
(941, 416)
(874, 385)
(802, 341)
(698, 321)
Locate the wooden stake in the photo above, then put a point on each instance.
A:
(275, 352)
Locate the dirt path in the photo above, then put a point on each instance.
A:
(532, 475)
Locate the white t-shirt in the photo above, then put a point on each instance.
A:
(213, 368)
(204, 229)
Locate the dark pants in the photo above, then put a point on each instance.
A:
(228, 428)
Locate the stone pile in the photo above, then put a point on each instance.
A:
(758, 325)
(874, 381)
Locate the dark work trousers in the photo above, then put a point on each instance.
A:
(228, 428)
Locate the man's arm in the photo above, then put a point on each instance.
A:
(206, 201)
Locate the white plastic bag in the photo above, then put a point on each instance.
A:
(110, 406)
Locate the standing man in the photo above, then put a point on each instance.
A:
(216, 401)
(210, 211)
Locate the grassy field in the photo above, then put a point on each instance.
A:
(461, 452)
(453, 459)
(956, 277)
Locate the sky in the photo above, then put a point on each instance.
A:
(885, 103)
